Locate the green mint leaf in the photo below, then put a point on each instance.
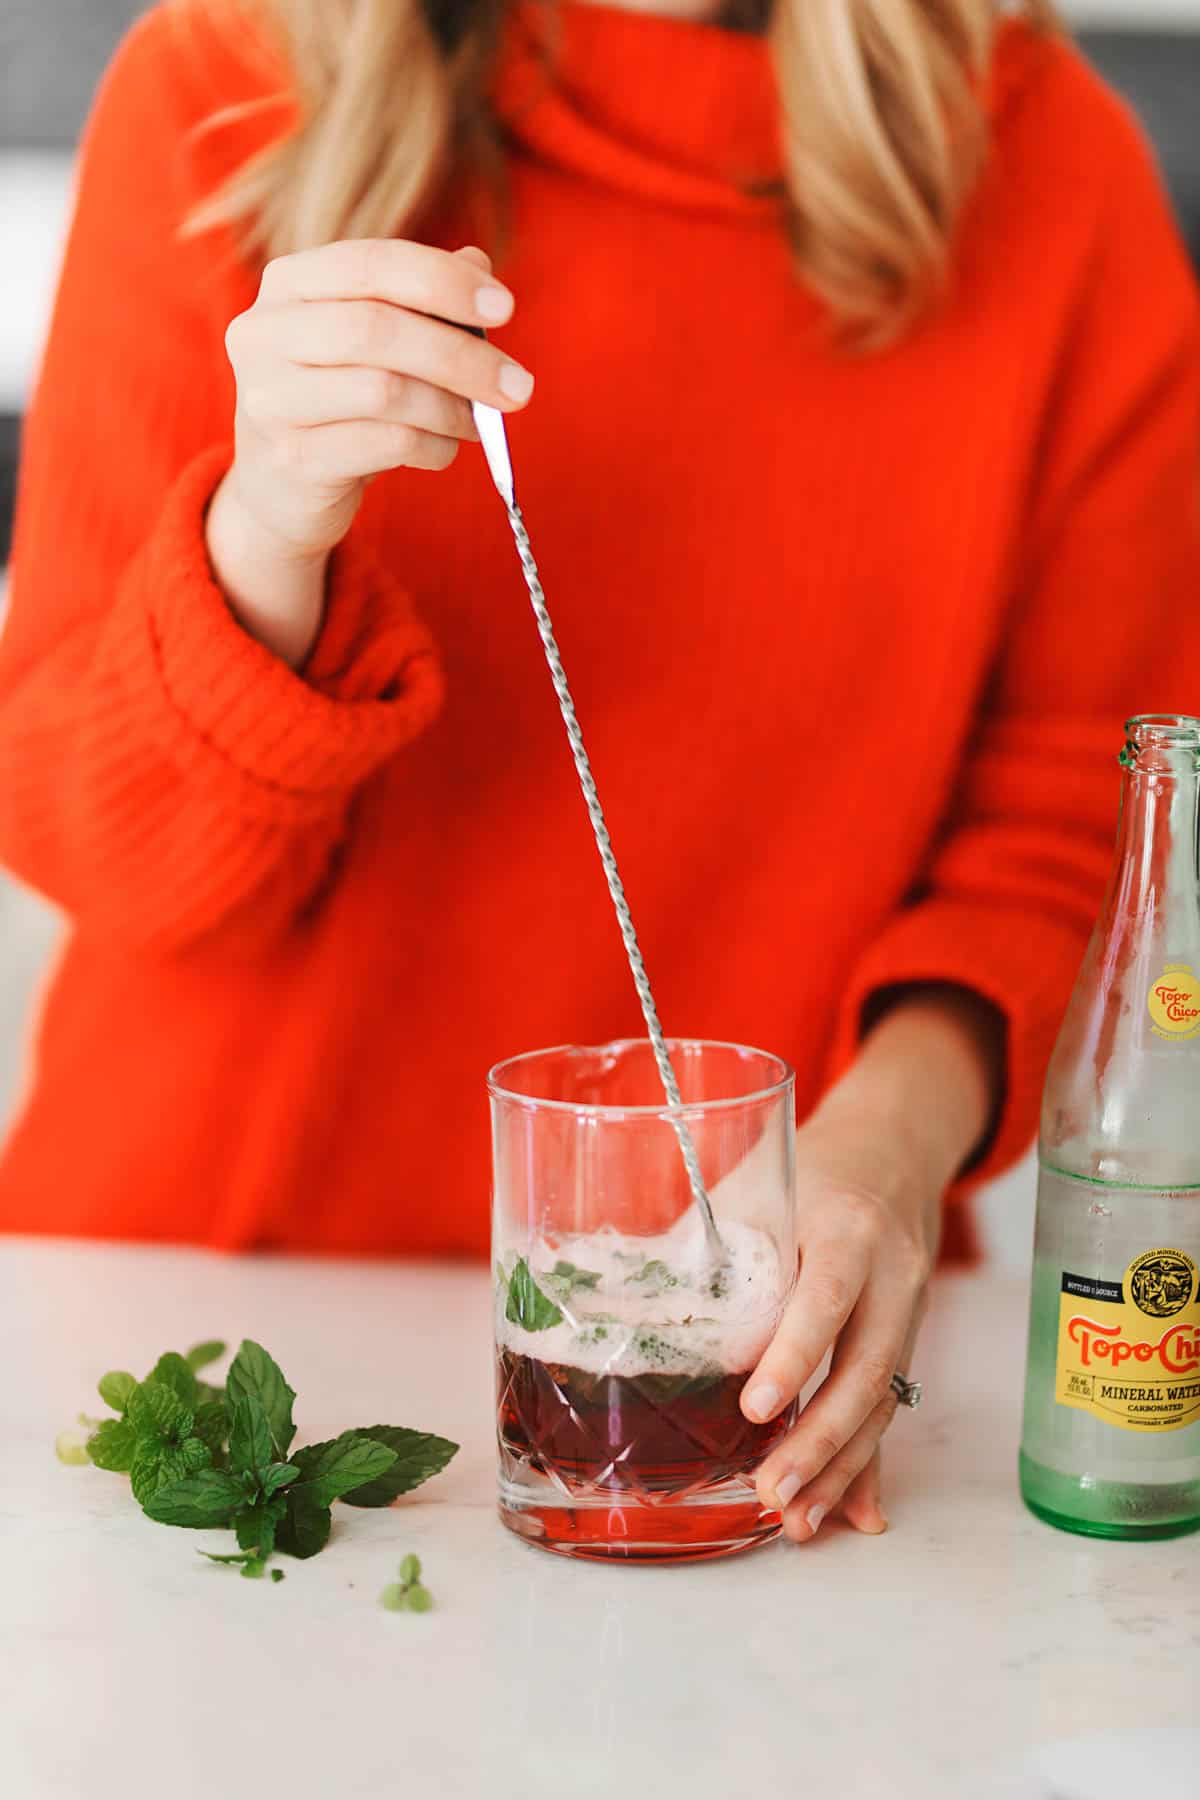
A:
(234, 1556)
(340, 1465)
(171, 1371)
(196, 1454)
(155, 1410)
(115, 1389)
(112, 1445)
(419, 1598)
(255, 1567)
(410, 1569)
(566, 1278)
(277, 1575)
(207, 1395)
(527, 1305)
(256, 1525)
(210, 1424)
(199, 1502)
(200, 1355)
(249, 1436)
(254, 1372)
(277, 1475)
(157, 1465)
(304, 1528)
(419, 1455)
(394, 1597)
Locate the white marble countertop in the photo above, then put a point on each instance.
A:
(970, 1652)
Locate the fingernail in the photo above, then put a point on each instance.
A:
(762, 1400)
(494, 304)
(786, 1490)
(814, 1515)
(515, 382)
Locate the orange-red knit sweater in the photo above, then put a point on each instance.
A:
(852, 639)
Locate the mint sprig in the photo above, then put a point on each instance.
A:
(204, 1457)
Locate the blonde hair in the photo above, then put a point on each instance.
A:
(883, 124)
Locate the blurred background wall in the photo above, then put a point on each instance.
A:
(51, 53)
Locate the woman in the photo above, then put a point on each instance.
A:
(862, 471)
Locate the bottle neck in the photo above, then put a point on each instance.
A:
(1156, 881)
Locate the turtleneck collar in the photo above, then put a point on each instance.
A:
(681, 113)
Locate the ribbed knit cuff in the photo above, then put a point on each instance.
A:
(1022, 961)
(215, 698)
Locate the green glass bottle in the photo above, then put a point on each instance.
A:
(1111, 1440)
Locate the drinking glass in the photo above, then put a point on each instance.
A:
(623, 1339)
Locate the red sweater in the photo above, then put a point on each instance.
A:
(852, 640)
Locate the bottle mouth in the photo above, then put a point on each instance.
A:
(1165, 740)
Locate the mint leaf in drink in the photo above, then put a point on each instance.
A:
(254, 1372)
(419, 1455)
(340, 1465)
(115, 1388)
(654, 1276)
(566, 1279)
(200, 1501)
(249, 1437)
(304, 1528)
(200, 1355)
(172, 1371)
(527, 1305)
(112, 1445)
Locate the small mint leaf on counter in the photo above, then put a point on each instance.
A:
(410, 1569)
(113, 1445)
(419, 1598)
(278, 1575)
(527, 1305)
(115, 1388)
(253, 1371)
(419, 1455)
(200, 1355)
(233, 1556)
(394, 1597)
(70, 1447)
(199, 1502)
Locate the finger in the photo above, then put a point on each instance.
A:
(479, 257)
(403, 274)
(859, 1381)
(371, 334)
(360, 447)
(807, 1506)
(309, 396)
(861, 1504)
(832, 1276)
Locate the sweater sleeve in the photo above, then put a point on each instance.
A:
(1105, 624)
(162, 775)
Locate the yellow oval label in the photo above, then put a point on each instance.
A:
(1174, 1002)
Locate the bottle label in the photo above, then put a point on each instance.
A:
(1174, 1003)
(1129, 1350)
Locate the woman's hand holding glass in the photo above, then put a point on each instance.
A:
(873, 1164)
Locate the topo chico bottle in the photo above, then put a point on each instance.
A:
(1111, 1441)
